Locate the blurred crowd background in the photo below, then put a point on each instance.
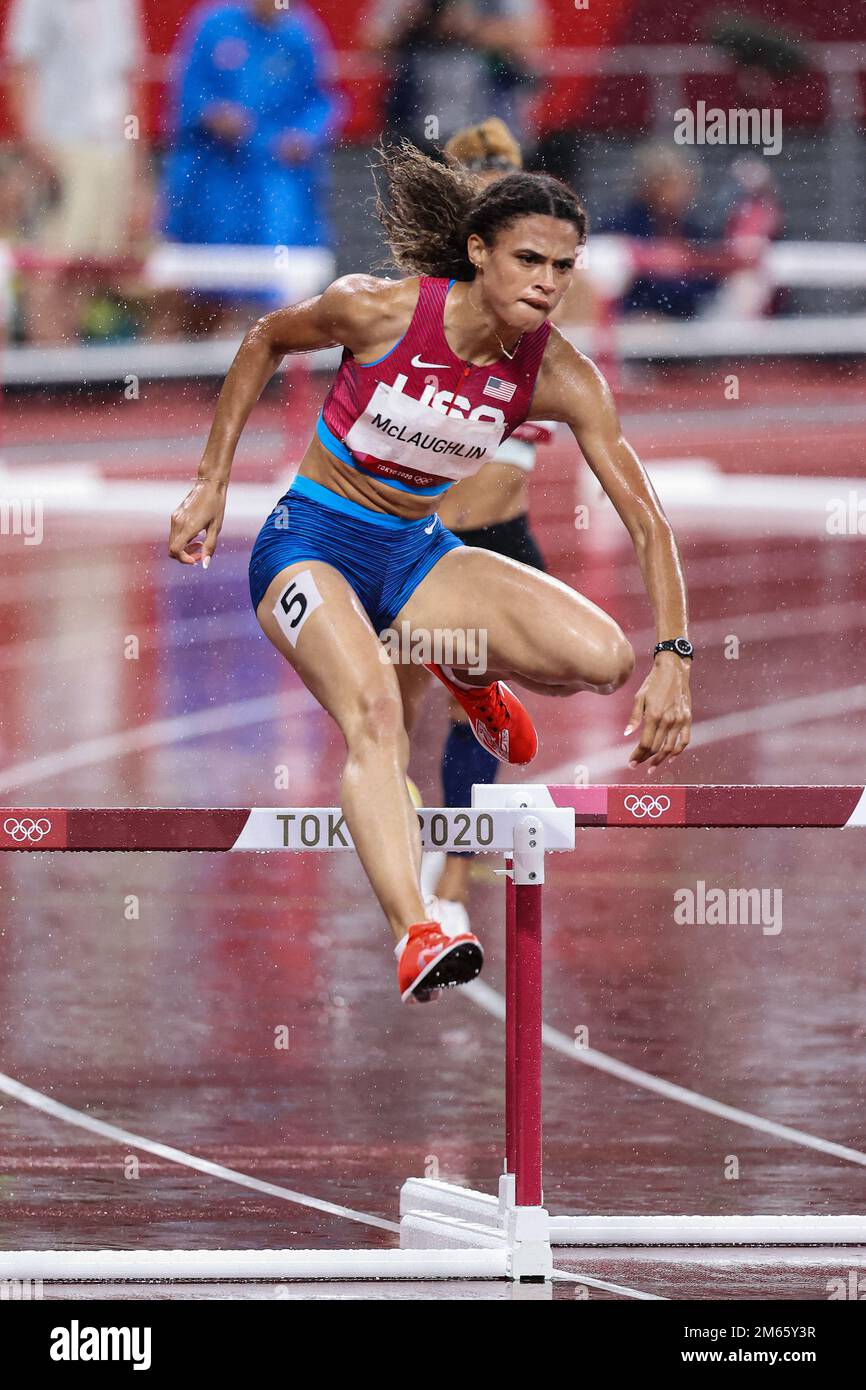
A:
(129, 124)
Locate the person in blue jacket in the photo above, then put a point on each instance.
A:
(254, 113)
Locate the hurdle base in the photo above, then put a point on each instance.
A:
(441, 1214)
(707, 1230)
(449, 1203)
(196, 1266)
(446, 1232)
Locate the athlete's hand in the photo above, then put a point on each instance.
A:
(201, 510)
(664, 705)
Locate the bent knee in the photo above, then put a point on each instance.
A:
(613, 664)
(376, 717)
(622, 662)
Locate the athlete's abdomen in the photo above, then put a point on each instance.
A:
(333, 472)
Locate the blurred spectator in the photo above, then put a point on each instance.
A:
(749, 218)
(750, 202)
(15, 194)
(74, 72)
(662, 208)
(254, 115)
(455, 62)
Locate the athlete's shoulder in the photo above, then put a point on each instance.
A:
(568, 381)
(562, 359)
(370, 292)
(363, 309)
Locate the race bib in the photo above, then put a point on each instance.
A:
(398, 429)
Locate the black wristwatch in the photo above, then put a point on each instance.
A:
(681, 645)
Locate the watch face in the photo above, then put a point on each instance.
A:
(683, 646)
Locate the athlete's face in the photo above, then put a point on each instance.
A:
(528, 269)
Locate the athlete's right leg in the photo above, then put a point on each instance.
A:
(339, 658)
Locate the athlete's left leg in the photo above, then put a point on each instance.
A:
(538, 632)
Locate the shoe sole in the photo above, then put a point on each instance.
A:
(507, 761)
(456, 967)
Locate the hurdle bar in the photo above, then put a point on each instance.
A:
(630, 807)
(446, 1230)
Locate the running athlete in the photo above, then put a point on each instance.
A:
(436, 370)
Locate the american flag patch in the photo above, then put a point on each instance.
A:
(501, 390)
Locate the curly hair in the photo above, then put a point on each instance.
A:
(432, 206)
(489, 146)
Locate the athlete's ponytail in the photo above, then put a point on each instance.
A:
(430, 208)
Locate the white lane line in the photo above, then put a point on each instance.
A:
(567, 1276)
(39, 1101)
(177, 729)
(494, 1004)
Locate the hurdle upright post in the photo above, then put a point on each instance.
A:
(524, 880)
(510, 1018)
(527, 1041)
(527, 1224)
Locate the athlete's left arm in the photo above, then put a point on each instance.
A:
(570, 388)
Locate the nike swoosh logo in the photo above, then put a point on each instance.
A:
(428, 530)
(416, 362)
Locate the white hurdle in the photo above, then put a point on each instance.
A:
(449, 1231)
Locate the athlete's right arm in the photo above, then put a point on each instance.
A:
(348, 312)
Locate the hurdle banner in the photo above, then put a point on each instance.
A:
(448, 1231)
(323, 827)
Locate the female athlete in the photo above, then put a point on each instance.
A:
(437, 369)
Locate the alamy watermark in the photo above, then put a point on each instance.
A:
(463, 648)
(85, 1343)
(703, 906)
(737, 126)
(846, 516)
(22, 516)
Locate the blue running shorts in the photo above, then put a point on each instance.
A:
(383, 557)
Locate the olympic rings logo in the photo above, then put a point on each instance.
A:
(27, 829)
(647, 807)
